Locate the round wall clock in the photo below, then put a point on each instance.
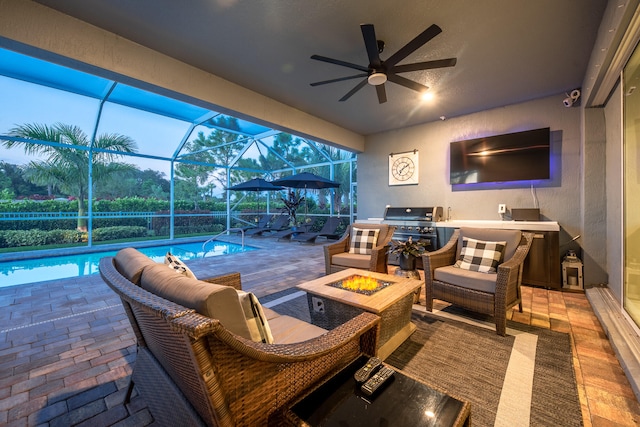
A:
(403, 168)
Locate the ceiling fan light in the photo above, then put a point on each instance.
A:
(376, 79)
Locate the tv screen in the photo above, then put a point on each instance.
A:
(520, 156)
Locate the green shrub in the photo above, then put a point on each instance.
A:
(35, 237)
(117, 233)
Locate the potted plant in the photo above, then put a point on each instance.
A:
(407, 252)
(291, 204)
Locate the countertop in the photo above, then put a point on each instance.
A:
(506, 225)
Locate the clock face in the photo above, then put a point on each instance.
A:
(403, 168)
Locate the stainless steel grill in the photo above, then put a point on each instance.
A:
(419, 223)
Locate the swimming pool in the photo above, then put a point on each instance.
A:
(59, 267)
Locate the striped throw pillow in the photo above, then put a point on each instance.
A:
(481, 256)
(363, 240)
(256, 320)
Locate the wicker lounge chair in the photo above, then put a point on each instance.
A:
(337, 256)
(328, 230)
(262, 222)
(192, 370)
(486, 293)
(287, 233)
(279, 223)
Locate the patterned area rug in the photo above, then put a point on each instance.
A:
(523, 379)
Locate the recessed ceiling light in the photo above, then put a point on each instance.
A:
(427, 96)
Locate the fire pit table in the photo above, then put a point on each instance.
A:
(338, 297)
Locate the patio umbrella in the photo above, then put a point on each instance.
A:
(255, 184)
(306, 180)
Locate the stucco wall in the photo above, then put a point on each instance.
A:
(559, 199)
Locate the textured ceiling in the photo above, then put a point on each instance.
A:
(508, 51)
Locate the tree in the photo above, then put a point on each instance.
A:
(218, 148)
(66, 164)
(12, 179)
(134, 182)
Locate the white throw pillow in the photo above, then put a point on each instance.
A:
(256, 320)
(178, 266)
(363, 240)
(478, 255)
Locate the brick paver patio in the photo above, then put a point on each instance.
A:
(67, 350)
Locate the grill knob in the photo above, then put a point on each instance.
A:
(402, 227)
(430, 229)
(409, 228)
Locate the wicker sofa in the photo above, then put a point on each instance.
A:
(192, 369)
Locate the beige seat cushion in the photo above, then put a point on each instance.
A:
(485, 282)
(346, 259)
(211, 300)
(269, 313)
(289, 330)
(130, 262)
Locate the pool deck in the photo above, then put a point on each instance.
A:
(67, 349)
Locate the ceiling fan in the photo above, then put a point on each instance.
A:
(379, 71)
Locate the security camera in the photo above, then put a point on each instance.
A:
(571, 98)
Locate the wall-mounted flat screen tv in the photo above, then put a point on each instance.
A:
(520, 156)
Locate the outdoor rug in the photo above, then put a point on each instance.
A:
(523, 379)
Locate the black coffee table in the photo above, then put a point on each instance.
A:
(402, 402)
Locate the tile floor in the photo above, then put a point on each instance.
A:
(66, 348)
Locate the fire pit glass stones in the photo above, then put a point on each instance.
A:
(361, 284)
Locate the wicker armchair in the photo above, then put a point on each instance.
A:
(337, 256)
(487, 293)
(190, 370)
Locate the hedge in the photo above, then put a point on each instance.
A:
(124, 204)
(35, 237)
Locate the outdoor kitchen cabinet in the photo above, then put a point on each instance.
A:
(542, 265)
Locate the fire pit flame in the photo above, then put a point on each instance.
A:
(361, 284)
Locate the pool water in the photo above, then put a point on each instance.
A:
(60, 267)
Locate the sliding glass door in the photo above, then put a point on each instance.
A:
(631, 196)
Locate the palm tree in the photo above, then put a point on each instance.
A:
(66, 166)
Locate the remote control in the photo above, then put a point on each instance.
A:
(376, 381)
(369, 368)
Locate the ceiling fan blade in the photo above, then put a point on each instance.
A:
(382, 94)
(354, 90)
(413, 45)
(339, 79)
(429, 65)
(407, 83)
(371, 44)
(338, 62)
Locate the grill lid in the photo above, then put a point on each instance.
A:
(413, 214)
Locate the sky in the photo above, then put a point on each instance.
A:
(22, 102)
